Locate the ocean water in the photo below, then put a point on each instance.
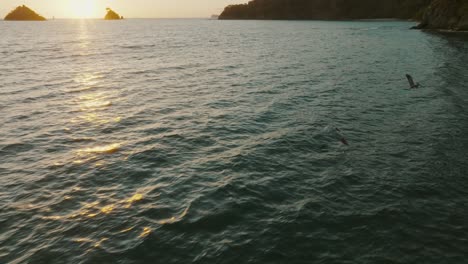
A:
(202, 141)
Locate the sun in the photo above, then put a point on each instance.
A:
(83, 8)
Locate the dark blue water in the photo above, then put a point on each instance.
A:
(197, 141)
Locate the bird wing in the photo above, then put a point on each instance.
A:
(410, 80)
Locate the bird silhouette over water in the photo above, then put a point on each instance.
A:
(342, 138)
(411, 81)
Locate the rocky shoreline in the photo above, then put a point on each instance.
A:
(445, 15)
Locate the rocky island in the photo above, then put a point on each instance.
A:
(434, 14)
(111, 15)
(24, 13)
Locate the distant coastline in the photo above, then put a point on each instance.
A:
(433, 14)
(325, 10)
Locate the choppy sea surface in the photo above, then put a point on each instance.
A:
(202, 141)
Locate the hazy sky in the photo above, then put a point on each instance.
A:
(126, 8)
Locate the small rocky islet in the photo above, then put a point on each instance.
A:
(24, 13)
(112, 15)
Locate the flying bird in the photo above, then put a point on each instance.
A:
(342, 139)
(411, 82)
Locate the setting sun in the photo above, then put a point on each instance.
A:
(83, 8)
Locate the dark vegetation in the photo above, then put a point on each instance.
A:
(111, 15)
(446, 14)
(441, 14)
(24, 13)
(324, 9)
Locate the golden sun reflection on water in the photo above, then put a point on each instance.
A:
(107, 209)
(95, 105)
(127, 230)
(83, 240)
(106, 149)
(94, 118)
(92, 104)
(174, 219)
(94, 101)
(84, 37)
(135, 198)
(91, 210)
(146, 231)
(98, 244)
(82, 161)
(88, 79)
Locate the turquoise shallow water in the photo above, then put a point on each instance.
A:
(200, 141)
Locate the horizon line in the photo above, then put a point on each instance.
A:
(100, 18)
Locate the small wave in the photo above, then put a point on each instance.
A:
(96, 105)
(106, 149)
(141, 72)
(138, 46)
(95, 209)
(81, 89)
(82, 139)
(16, 147)
(157, 157)
(23, 51)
